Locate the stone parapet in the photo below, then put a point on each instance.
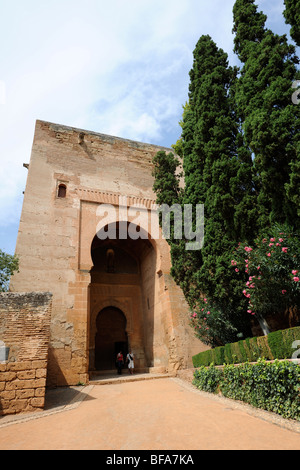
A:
(24, 335)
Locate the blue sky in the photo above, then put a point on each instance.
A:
(116, 67)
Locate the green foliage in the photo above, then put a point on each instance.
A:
(210, 324)
(214, 175)
(293, 186)
(281, 344)
(292, 17)
(207, 380)
(272, 267)
(240, 156)
(8, 265)
(249, 27)
(178, 147)
(269, 119)
(271, 386)
(166, 184)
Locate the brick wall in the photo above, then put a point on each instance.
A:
(25, 330)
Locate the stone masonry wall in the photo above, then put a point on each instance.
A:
(25, 330)
(54, 249)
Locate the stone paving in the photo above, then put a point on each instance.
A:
(123, 413)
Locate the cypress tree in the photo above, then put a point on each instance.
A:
(270, 120)
(216, 176)
(240, 151)
(292, 17)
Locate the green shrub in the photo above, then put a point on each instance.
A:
(219, 355)
(277, 345)
(288, 338)
(271, 386)
(207, 379)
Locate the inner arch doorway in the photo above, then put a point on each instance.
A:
(111, 337)
(122, 302)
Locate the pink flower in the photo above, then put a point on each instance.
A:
(249, 311)
(258, 268)
(208, 313)
(294, 271)
(272, 239)
(236, 270)
(284, 249)
(233, 262)
(271, 244)
(269, 254)
(283, 291)
(248, 249)
(296, 279)
(280, 239)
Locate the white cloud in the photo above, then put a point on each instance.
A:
(112, 67)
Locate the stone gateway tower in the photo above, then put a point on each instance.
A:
(110, 292)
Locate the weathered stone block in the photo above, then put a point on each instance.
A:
(26, 374)
(22, 394)
(37, 402)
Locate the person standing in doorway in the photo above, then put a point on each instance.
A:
(120, 362)
(130, 359)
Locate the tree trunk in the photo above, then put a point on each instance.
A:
(263, 324)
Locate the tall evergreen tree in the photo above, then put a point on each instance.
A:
(292, 17)
(270, 120)
(215, 176)
(240, 151)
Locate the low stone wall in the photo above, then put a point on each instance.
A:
(24, 335)
(22, 386)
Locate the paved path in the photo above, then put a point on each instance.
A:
(164, 414)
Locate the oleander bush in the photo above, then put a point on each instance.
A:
(272, 386)
(281, 344)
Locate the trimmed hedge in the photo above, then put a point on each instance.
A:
(276, 345)
(271, 386)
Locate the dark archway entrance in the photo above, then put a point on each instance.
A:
(111, 337)
(121, 300)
